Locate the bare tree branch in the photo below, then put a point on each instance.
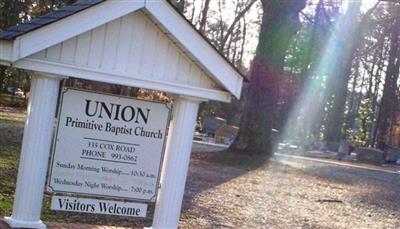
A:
(235, 21)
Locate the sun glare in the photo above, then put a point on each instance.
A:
(298, 129)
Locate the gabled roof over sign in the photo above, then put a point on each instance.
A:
(22, 41)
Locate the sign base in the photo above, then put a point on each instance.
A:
(15, 223)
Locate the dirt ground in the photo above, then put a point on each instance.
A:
(289, 193)
(231, 191)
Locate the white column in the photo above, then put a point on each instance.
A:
(35, 153)
(176, 163)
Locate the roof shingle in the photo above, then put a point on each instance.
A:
(13, 32)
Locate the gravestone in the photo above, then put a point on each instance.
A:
(211, 124)
(226, 133)
(370, 155)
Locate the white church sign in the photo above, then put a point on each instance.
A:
(108, 146)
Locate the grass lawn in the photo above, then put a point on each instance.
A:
(8, 170)
(11, 124)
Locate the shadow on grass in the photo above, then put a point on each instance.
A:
(381, 198)
(382, 190)
(350, 175)
(210, 169)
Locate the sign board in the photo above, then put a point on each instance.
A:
(108, 146)
(108, 207)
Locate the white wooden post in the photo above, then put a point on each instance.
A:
(176, 163)
(35, 153)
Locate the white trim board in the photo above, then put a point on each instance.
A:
(121, 79)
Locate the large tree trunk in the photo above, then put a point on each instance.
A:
(279, 23)
(308, 65)
(375, 104)
(388, 104)
(346, 40)
(352, 103)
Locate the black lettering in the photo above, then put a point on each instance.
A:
(123, 114)
(61, 202)
(106, 109)
(117, 111)
(141, 113)
(69, 119)
(87, 108)
(103, 206)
